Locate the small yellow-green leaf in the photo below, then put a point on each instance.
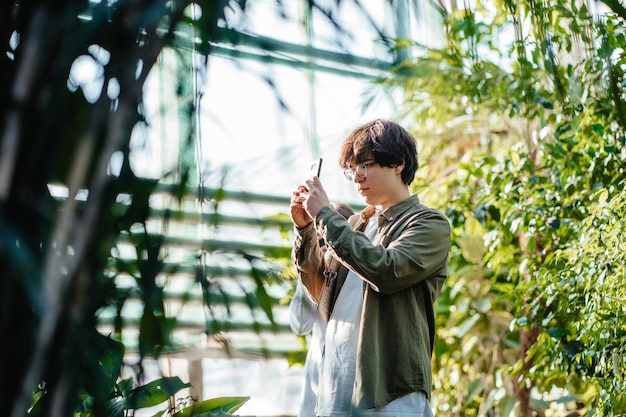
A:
(472, 249)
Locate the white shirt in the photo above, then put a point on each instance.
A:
(338, 366)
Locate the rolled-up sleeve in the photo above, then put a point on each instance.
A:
(308, 260)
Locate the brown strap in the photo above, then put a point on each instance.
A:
(334, 276)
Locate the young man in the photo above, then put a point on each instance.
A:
(378, 280)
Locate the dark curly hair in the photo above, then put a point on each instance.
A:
(384, 140)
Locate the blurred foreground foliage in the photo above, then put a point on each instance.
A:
(56, 250)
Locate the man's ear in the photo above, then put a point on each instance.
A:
(399, 168)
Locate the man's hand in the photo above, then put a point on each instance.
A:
(316, 198)
(298, 214)
(307, 200)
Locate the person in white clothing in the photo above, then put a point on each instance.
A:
(304, 319)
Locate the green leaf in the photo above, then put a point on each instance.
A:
(483, 305)
(467, 325)
(610, 149)
(554, 223)
(156, 392)
(125, 387)
(474, 390)
(507, 406)
(598, 129)
(214, 405)
(539, 403)
(472, 249)
(557, 332)
(474, 228)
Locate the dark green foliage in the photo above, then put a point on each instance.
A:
(54, 253)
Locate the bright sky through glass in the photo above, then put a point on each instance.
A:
(266, 146)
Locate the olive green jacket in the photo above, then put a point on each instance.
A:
(403, 270)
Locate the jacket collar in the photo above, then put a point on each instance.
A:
(396, 210)
(388, 215)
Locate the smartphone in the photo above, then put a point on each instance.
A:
(316, 167)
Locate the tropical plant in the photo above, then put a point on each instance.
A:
(123, 396)
(56, 251)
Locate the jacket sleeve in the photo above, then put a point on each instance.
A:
(414, 252)
(308, 260)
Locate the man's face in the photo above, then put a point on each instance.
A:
(377, 185)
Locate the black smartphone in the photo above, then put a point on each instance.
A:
(316, 167)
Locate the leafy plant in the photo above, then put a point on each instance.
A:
(55, 252)
(120, 397)
(520, 121)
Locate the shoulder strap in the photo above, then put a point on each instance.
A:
(334, 276)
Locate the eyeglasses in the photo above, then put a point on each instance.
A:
(360, 170)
